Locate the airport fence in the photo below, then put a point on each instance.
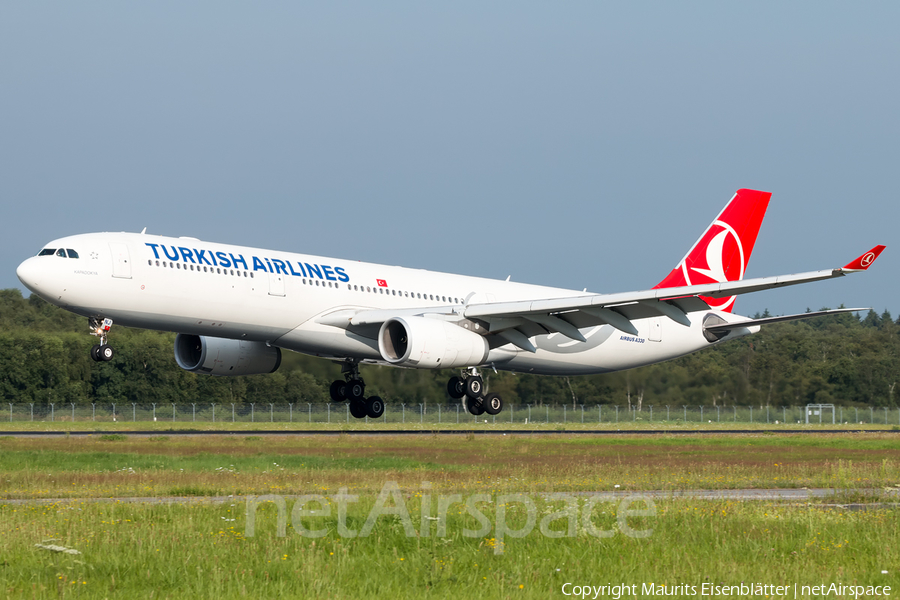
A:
(446, 414)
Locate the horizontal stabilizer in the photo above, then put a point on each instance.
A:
(725, 327)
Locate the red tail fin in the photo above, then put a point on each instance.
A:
(722, 252)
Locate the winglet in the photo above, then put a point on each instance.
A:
(865, 261)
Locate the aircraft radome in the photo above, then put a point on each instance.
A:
(235, 308)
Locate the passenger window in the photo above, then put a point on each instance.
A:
(47, 252)
(71, 253)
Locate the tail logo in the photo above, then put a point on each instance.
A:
(868, 259)
(722, 252)
(725, 260)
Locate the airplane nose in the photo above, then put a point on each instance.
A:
(29, 274)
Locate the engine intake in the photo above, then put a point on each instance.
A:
(223, 357)
(427, 343)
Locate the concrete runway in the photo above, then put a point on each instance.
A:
(334, 432)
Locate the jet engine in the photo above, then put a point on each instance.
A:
(427, 343)
(219, 356)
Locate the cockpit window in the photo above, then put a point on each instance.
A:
(63, 252)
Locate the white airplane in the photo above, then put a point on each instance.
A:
(234, 308)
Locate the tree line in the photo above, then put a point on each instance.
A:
(838, 359)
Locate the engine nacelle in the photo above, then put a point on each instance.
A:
(430, 344)
(219, 356)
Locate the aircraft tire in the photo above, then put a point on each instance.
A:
(95, 353)
(475, 406)
(357, 409)
(374, 407)
(337, 390)
(106, 353)
(474, 387)
(355, 390)
(493, 404)
(456, 387)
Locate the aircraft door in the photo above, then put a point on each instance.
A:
(276, 284)
(655, 334)
(121, 261)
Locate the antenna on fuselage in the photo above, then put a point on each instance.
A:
(143, 231)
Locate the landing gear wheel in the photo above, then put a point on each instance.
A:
(456, 387)
(355, 390)
(374, 407)
(493, 404)
(475, 406)
(100, 328)
(474, 387)
(337, 391)
(357, 409)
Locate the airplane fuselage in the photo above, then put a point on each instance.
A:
(302, 302)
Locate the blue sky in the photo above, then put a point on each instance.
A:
(569, 144)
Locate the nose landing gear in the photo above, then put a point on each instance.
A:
(101, 352)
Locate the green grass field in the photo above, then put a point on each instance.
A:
(469, 424)
(200, 547)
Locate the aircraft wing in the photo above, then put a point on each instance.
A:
(515, 322)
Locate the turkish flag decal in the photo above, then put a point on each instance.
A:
(381, 282)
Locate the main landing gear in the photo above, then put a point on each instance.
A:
(101, 352)
(471, 387)
(353, 389)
